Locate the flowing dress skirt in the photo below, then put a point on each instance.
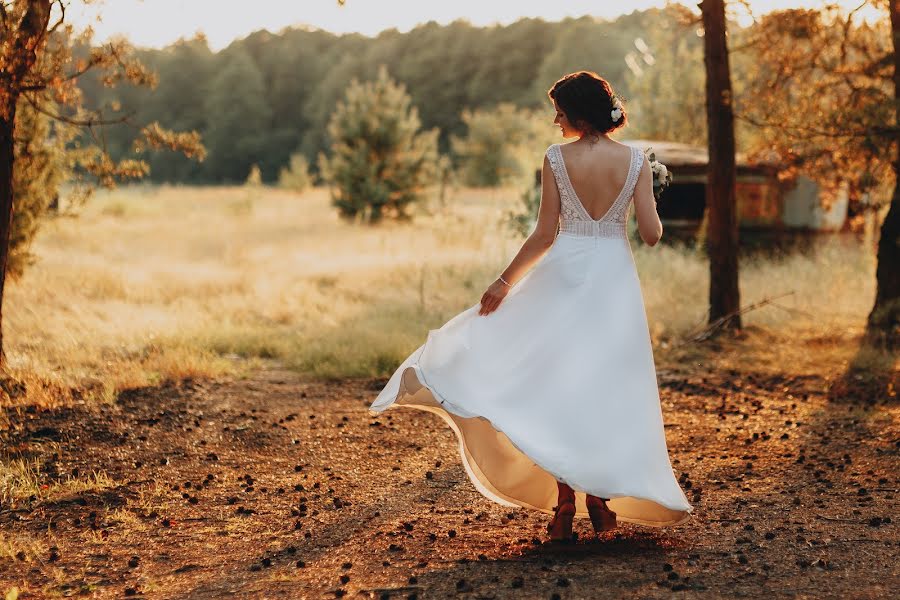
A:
(559, 383)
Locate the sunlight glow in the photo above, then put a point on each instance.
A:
(156, 23)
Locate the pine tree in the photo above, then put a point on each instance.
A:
(380, 161)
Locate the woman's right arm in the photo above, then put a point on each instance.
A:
(649, 225)
(544, 234)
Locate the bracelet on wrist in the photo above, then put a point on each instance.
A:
(505, 282)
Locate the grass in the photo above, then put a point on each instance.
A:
(21, 480)
(21, 545)
(154, 283)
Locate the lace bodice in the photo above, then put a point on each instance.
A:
(574, 218)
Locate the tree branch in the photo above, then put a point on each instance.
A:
(62, 17)
(753, 43)
(92, 122)
(886, 130)
(718, 323)
(37, 87)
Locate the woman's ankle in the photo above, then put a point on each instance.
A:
(565, 492)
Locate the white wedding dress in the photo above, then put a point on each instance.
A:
(559, 382)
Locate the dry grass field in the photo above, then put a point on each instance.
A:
(151, 283)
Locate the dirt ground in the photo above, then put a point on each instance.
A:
(275, 487)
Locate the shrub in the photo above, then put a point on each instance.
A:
(502, 144)
(295, 177)
(254, 178)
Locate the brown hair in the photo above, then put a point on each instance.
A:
(587, 100)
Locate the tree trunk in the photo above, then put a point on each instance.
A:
(883, 324)
(7, 158)
(722, 230)
(16, 63)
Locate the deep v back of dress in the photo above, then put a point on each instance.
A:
(559, 383)
(574, 217)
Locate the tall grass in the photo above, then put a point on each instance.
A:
(157, 282)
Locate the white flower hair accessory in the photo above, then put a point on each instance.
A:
(616, 112)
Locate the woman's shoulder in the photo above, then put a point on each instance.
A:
(553, 155)
(621, 147)
(634, 150)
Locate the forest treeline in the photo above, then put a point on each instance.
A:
(268, 96)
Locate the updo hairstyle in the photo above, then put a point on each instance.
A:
(588, 102)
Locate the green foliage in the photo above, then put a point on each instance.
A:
(238, 115)
(587, 44)
(509, 60)
(270, 95)
(502, 144)
(43, 162)
(295, 177)
(380, 160)
(667, 81)
(524, 221)
(177, 101)
(108, 95)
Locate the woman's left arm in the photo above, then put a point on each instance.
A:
(533, 248)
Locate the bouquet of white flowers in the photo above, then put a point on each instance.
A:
(662, 177)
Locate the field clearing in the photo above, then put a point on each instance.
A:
(235, 337)
(152, 283)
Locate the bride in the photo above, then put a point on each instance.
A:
(549, 382)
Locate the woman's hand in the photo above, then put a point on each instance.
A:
(492, 297)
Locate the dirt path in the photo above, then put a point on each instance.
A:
(274, 487)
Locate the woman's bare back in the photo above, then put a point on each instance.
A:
(597, 172)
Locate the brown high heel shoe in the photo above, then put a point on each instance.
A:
(602, 518)
(560, 527)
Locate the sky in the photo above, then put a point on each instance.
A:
(156, 23)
